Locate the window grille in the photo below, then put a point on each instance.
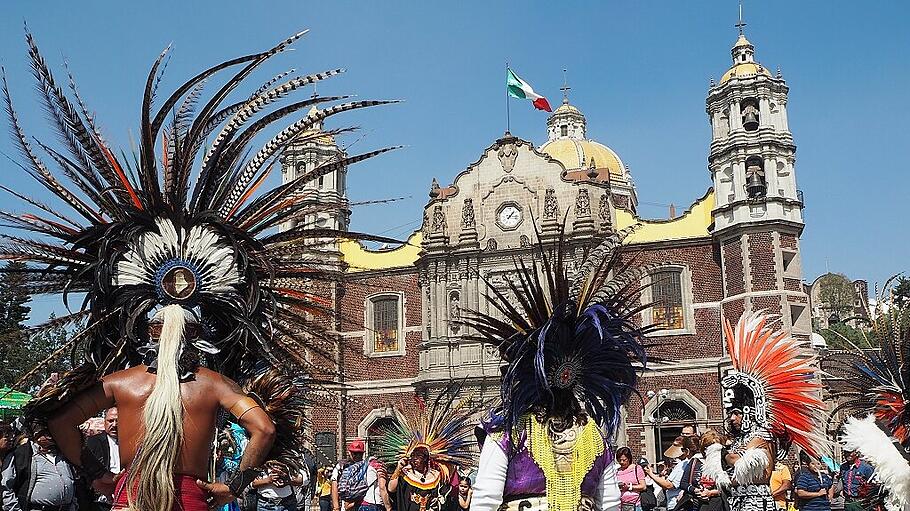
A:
(666, 295)
(385, 324)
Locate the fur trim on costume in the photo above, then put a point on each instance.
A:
(891, 469)
(713, 466)
(751, 467)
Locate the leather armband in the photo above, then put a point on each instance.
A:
(242, 406)
(242, 480)
(91, 466)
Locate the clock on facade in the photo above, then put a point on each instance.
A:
(509, 216)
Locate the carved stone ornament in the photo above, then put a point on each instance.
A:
(550, 205)
(467, 214)
(439, 219)
(604, 209)
(425, 226)
(491, 244)
(507, 154)
(583, 203)
(524, 241)
(454, 311)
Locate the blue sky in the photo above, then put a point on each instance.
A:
(638, 70)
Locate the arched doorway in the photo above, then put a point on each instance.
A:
(379, 429)
(669, 420)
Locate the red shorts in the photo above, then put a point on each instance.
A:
(190, 497)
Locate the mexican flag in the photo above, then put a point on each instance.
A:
(520, 89)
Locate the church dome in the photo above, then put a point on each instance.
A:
(577, 154)
(745, 70)
(744, 64)
(568, 143)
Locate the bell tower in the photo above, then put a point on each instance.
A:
(758, 215)
(314, 148)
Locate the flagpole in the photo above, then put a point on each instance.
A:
(508, 119)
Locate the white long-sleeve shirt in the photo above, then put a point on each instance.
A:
(491, 481)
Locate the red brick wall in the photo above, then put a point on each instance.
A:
(761, 261)
(793, 284)
(734, 310)
(733, 267)
(789, 241)
(701, 260)
(706, 277)
(769, 304)
(357, 290)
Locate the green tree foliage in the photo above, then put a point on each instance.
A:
(837, 293)
(841, 336)
(901, 291)
(20, 349)
(14, 310)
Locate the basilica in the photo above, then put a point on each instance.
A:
(735, 249)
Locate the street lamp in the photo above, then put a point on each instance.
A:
(658, 421)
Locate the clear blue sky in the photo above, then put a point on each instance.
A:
(638, 69)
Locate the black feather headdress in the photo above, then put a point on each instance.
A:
(568, 341)
(876, 381)
(188, 219)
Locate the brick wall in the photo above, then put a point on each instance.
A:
(762, 261)
(702, 262)
(769, 304)
(793, 284)
(733, 267)
(357, 290)
(789, 241)
(734, 310)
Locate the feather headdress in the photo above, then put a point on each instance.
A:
(445, 429)
(877, 381)
(189, 219)
(568, 340)
(775, 382)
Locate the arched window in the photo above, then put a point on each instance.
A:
(384, 325)
(756, 186)
(667, 299)
(564, 130)
(749, 111)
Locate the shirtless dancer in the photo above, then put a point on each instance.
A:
(200, 398)
(191, 233)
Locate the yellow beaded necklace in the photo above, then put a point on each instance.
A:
(564, 486)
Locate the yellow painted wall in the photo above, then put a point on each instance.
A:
(693, 223)
(359, 258)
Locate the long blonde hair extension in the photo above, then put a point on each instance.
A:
(150, 486)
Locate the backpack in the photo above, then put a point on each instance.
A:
(352, 483)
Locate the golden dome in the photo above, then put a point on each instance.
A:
(741, 41)
(315, 134)
(744, 70)
(566, 108)
(577, 154)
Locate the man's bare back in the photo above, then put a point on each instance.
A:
(202, 398)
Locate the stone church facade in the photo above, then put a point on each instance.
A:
(735, 250)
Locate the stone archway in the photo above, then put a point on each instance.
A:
(679, 407)
(375, 421)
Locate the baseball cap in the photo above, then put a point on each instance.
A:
(356, 445)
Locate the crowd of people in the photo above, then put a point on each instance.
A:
(677, 481)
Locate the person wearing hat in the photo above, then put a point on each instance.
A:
(359, 484)
(682, 449)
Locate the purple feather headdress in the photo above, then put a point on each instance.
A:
(571, 344)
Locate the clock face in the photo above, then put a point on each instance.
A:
(509, 217)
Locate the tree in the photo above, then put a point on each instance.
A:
(841, 336)
(837, 294)
(901, 291)
(14, 311)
